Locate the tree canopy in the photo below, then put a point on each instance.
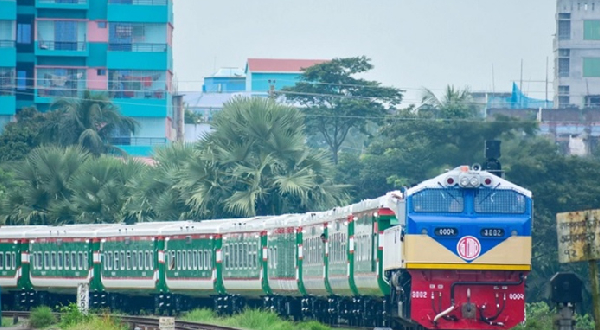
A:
(335, 101)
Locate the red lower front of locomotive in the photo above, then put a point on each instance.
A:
(457, 299)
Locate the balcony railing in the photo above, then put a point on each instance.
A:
(137, 141)
(77, 46)
(7, 43)
(81, 2)
(138, 47)
(140, 2)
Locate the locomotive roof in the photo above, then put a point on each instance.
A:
(440, 181)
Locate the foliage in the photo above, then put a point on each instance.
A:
(99, 189)
(335, 101)
(252, 319)
(454, 104)
(256, 163)
(402, 155)
(42, 195)
(154, 190)
(42, 317)
(541, 317)
(71, 315)
(20, 137)
(89, 121)
(103, 322)
(192, 117)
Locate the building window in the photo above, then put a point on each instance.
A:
(57, 82)
(101, 24)
(563, 101)
(564, 29)
(564, 52)
(137, 84)
(563, 67)
(592, 101)
(7, 81)
(24, 34)
(563, 90)
(591, 30)
(101, 72)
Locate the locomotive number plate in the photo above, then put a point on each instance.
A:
(492, 232)
(446, 231)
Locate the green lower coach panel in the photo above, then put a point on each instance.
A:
(60, 264)
(190, 264)
(282, 264)
(242, 269)
(10, 264)
(128, 264)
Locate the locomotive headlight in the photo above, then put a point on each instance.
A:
(475, 182)
(424, 231)
(514, 233)
(464, 182)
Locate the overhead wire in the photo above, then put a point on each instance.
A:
(391, 116)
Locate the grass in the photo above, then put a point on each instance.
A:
(104, 322)
(251, 319)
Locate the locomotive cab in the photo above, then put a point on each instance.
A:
(460, 258)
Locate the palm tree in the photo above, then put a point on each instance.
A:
(42, 193)
(89, 122)
(256, 163)
(99, 190)
(154, 189)
(455, 103)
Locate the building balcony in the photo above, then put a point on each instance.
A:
(147, 11)
(139, 56)
(8, 53)
(9, 10)
(55, 83)
(63, 4)
(61, 48)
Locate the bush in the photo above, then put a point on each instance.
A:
(71, 316)
(97, 323)
(42, 317)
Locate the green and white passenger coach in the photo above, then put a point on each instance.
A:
(308, 264)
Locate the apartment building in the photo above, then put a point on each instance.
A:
(577, 54)
(59, 48)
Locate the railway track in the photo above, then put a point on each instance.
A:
(137, 322)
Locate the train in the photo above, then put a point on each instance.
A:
(452, 252)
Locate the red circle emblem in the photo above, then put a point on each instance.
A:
(468, 247)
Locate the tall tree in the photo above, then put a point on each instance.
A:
(256, 163)
(455, 103)
(99, 189)
(89, 121)
(155, 190)
(20, 137)
(335, 101)
(42, 193)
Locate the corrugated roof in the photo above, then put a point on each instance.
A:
(280, 64)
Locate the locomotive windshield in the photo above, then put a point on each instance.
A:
(499, 201)
(439, 200)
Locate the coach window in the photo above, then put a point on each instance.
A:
(245, 255)
(46, 260)
(60, 260)
(116, 260)
(189, 260)
(128, 260)
(140, 260)
(178, 261)
(134, 259)
(201, 257)
(226, 256)
(52, 260)
(149, 265)
(123, 260)
(194, 255)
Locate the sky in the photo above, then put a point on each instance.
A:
(412, 43)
